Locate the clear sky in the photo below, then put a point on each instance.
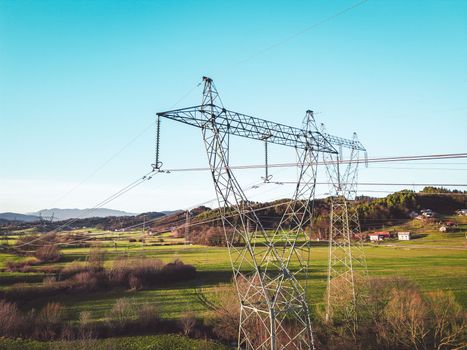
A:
(80, 79)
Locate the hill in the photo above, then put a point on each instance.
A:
(65, 214)
(374, 213)
(8, 216)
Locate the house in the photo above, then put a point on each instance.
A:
(451, 224)
(374, 237)
(385, 234)
(379, 236)
(403, 236)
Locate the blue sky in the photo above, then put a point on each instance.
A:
(80, 79)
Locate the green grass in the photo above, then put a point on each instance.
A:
(435, 261)
(159, 342)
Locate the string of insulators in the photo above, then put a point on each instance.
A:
(266, 158)
(267, 177)
(157, 164)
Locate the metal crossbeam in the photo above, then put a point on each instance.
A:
(243, 125)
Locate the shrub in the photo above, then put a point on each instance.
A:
(25, 242)
(19, 266)
(137, 273)
(72, 269)
(85, 325)
(96, 258)
(10, 319)
(48, 253)
(226, 315)
(395, 314)
(187, 322)
(51, 314)
(448, 320)
(134, 282)
(85, 318)
(122, 312)
(48, 281)
(148, 316)
(86, 280)
(47, 324)
(405, 318)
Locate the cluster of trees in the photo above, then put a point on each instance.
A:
(132, 273)
(43, 247)
(373, 213)
(50, 322)
(205, 235)
(125, 317)
(392, 313)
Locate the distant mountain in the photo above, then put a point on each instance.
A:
(170, 212)
(65, 214)
(18, 217)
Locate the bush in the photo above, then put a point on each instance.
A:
(134, 282)
(148, 316)
(72, 269)
(47, 324)
(86, 280)
(20, 266)
(122, 312)
(138, 273)
(395, 314)
(187, 322)
(226, 315)
(96, 258)
(405, 319)
(85, 325)
(10, 319)
(51, 314)
(448, 320)
(48, 253)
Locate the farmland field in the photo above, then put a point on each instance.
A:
(434, 261)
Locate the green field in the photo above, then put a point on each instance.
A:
(161, 342)
(435, 261)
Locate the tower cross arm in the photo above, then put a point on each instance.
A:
(243, 125)
(346, 143)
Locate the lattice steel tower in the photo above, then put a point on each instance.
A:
(346, 255)
(266, 266)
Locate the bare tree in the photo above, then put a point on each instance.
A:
(448, 318)
(188, 322)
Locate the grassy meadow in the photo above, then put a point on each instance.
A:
(434, 261)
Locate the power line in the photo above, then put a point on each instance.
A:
(182, 221)
(303, 31)
(112, 197)
(121, 150)
(360, 161)
(381, 184)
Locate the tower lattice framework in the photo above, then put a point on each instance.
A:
(267, 264)
(346, 261)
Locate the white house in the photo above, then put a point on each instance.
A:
(376, 237)
(403, 236)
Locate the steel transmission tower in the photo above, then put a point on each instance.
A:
(346, 255)
(266, 266)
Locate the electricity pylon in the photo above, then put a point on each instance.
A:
(267, 265)
(346, 255)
